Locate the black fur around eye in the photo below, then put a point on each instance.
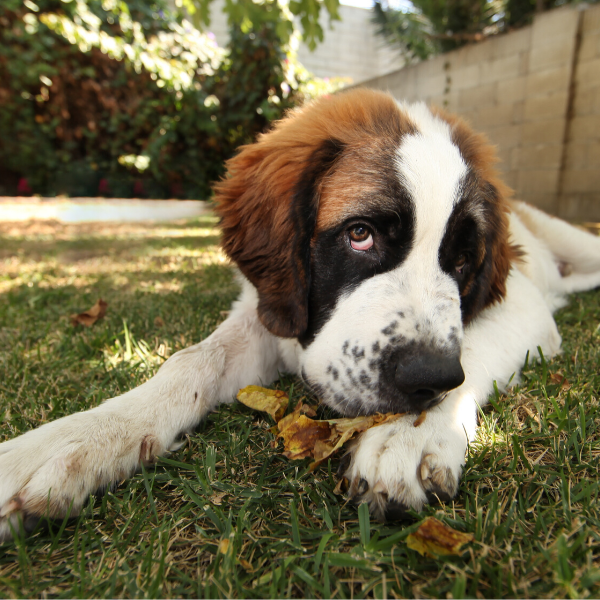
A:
(461, 262)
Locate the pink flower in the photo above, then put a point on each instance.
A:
(103, 187)
(23, 188)
(176, 190)
(138, 189)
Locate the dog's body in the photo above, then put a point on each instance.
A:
(383, 263)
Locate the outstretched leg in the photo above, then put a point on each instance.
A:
(575, 252)
(53, 469)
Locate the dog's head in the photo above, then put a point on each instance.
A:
(373, 232)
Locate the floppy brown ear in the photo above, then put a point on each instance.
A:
(268, 204)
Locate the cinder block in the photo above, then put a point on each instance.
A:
(501, 68)
(512, 90)
(593, 156)
(591, 19)
(543, 132)
(514, 42)
(510, 178)
(583, 103)
(596, 103)
(480, 53)
(590, 43)
(584, 128)
(464, 77)
(541, 156)
(588, 74)
(580, 207)
(553, 24)
(518, 112)
(546, 107)
(478, 96)
(546, 201)
(550, 80)
(581, 180)
(508, 136)
(537, 182)
(489, 117)
(503, 155)
(576, 155)
(555, 53)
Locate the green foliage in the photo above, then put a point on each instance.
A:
(434, 26)
(126, 98)
(253, 14)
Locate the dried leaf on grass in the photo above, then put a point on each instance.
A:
(434, 538)
(559, 379)
(273, 402)
(303, 436)
(89, 317)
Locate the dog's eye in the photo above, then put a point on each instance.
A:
(361, 237)
(460, 263)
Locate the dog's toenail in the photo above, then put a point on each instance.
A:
(363, 487)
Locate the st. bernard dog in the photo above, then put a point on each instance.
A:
(382, 262)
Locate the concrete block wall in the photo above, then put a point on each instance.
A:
(580, 189)
(350, 49)
(536, 93)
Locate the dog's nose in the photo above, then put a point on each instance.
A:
(423, 376)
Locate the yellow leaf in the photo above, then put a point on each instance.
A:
(273, 402)
(224, 546)
(89, 317)
(434, 538)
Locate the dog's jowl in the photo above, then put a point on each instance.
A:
(382, 261)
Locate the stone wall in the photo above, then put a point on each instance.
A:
(536, 93)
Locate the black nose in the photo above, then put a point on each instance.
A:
(424, 375)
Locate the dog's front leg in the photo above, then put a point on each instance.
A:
(405, 464)
(53, 469)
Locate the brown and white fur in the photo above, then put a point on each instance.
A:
(384, 263)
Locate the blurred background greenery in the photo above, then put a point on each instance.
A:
(125, 98)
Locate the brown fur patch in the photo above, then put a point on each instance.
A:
(480, 156)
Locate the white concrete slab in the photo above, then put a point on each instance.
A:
(82, 210)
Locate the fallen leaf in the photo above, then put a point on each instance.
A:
(434, 538)
(89, 317)
(559, 379)
(159, 322)
(246, 565)
(224, 546)
(217, 499)
(303, 436)
(273, 402)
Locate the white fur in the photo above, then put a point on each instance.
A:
(55, 467)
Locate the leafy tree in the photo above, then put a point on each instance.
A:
(253, 14)
(124, 97)
(433, 26)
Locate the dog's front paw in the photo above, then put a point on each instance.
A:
(398, 466)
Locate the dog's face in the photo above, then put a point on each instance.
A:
(373, 233)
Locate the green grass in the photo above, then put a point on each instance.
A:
(227, 515)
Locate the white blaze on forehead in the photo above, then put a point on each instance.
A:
(431, 168)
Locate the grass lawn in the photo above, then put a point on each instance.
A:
(227, 515)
